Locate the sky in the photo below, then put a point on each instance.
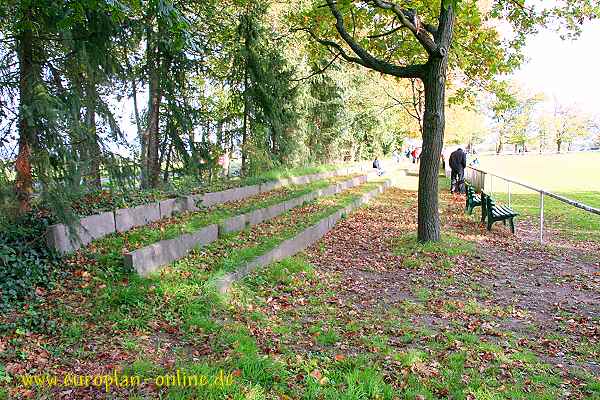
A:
(563, 69)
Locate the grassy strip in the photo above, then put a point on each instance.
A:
(287, 334)
(109, 250)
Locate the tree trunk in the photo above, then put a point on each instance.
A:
(152, 142)
(138, 124)
(93, 146)
(433, 139)
(434, 81)
(168, 163)
(24, 179)
(558, 144)
(245, 126)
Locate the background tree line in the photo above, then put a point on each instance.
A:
(135, 92)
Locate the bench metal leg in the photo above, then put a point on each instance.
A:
(489, 224)
(504, 222)
(512, 226)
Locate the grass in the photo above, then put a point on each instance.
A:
(168, 313)
(566, 173)
(419, 364)
(416, 255)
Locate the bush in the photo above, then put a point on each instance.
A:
(25, 261)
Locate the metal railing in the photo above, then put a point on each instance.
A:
(477, 177)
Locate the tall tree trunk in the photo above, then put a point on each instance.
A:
(434, 82)
(93, 146)
(245, 126)
(558, 144)
(433, 139)
(138, 122)
(24, 179)
(274, 149)
(152, 140)
(168, 163)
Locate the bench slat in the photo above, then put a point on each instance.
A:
(502, 211)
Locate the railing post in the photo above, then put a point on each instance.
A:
(509, 202)
(541, 216)
(491, 187)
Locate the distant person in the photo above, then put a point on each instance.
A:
(414, 155)
(474, 162)
(377, 166)
(458, 163)
(224, 163)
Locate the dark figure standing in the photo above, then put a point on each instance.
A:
(377, 166)
(458, 163)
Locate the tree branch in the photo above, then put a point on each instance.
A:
(431, 29)
(319, 71)
(420, 34)
(396, 29)
(364, 57)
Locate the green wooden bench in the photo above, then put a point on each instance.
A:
(472, 200)
(492, 212)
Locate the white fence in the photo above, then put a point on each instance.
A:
(477, 178)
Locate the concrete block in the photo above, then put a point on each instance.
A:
(59, 239)
(251, 190)
(62, 239)
(269, 186)
(275, 210)
(230, 195)
(150, 258)
(293, 203)
(284, 182)
(210, 199)
(299, 180)
(233, 224)
(166, 207)
(234, 194)
(128, 218)
(256, 217)
(178, 205)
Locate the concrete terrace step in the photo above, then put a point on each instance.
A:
(151, 258)
(85, 230)
(303, 240)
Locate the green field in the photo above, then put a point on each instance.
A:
(566, 173)
(576, 176)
